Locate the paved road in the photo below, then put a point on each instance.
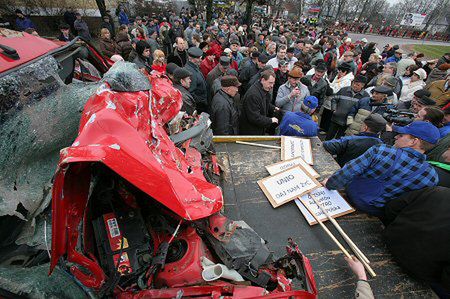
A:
(383, 40)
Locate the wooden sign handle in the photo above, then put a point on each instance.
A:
(364, 260)
(328, 232)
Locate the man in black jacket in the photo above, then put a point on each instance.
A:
(182, 82)
(342, 103)
(317, 85)
(179, 55)
(417, 234)
(281, 76)
(249, 69)
(223, 110)
(350, 147)
(198, 85)
(257, 109)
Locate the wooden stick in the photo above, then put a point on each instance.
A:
(352, 245)
(341, 231)
(258, 144)
(328, 231)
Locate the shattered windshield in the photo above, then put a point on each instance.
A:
(125, 76)
(27, 85)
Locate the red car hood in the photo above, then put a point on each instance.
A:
(124, 131)
(28, 47)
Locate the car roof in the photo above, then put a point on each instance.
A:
(27, 46)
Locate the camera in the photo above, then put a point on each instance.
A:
(398, 117)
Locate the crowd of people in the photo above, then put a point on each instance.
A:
(394, 30)
(384, 113)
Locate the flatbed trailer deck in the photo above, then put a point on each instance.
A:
(243, 166)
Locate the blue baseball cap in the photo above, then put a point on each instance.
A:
(311, 102)
(420, 129)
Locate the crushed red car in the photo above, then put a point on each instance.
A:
(134, 215)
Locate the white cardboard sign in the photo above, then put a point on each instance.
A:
(293, 147)
(284, 165)
(287, 185)
(331, 200)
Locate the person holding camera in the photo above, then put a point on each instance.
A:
(384, 172)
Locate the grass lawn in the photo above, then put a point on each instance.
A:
(431, 51)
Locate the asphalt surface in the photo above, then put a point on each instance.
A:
(383, 40)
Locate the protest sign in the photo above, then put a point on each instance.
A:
(287, 185)
(413, 19)
(283, 165)
(330, 200)
(293, 147)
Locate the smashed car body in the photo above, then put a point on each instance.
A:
(134, 216)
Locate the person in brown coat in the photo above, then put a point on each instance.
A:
(108, 47)
(123, 42)
(440, 91)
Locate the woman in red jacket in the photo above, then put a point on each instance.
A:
(159, 61)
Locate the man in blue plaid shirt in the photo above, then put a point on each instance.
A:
(384, 172)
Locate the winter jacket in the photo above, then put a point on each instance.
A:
(188, 33)
(357, 122)
(248, 70)
(123, 45)
(108, 26)
(417, 233)
(435, 75)
(177, 57)
(198, 88)
(366, 52)
(23, 24)
(123, 18)
(444, 130)
(82, 29)
(393, 58)
(409, 89)
(224, 114)
(108, 47)
(274, 62)
(237, 56)
(298, 124)
(377, 81)
(284, 102)
(318, 89)
(360, 112)
(280, 79)
(257, 111)
(350, 147)
(153, 45)
(206, 66)
(315, 57)
(442, 60)
(143, 63)
(344, 81)
(213, 75)
(62, 38)
(343, 102)
(403, 64)
(188, 100)
(439, 92)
